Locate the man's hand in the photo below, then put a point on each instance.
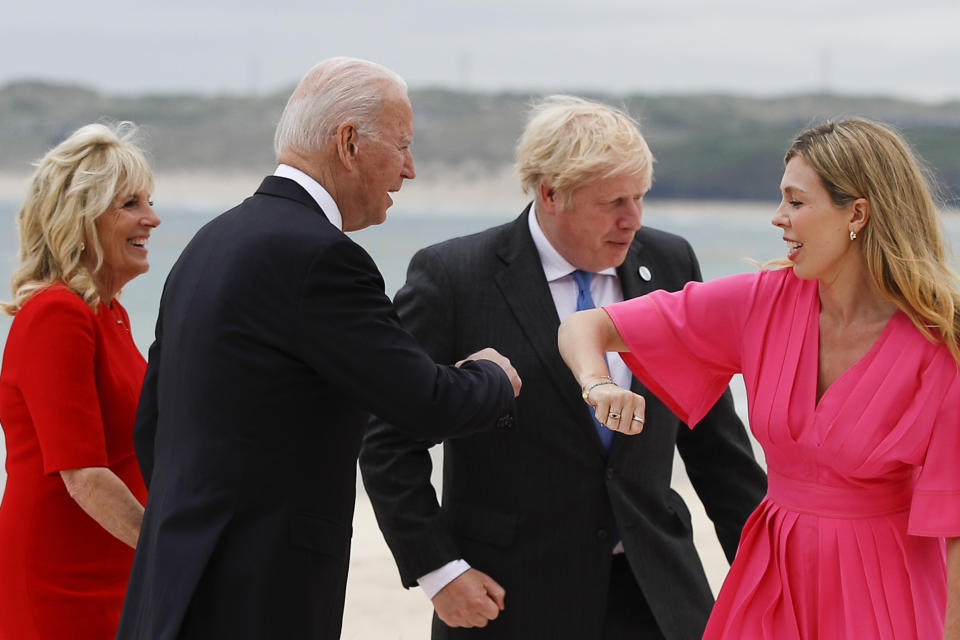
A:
(470, 600)
(491, 354)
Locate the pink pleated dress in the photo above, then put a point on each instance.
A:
(864, 485)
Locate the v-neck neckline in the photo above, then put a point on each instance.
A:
(857, 364)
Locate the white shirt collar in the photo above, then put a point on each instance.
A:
(316, 191)
(555, 266)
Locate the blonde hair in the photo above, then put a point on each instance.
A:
(334, 91)
(569, 141)
(903, 240)
(74, 183)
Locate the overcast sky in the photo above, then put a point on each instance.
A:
(765, 47)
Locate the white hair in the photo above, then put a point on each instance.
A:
(334, 91)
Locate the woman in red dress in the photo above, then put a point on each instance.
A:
(69, 386)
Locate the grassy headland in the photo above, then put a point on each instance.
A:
(707, 146)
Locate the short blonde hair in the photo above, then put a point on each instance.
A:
(74, 183)
(903, 240)
(569, 141)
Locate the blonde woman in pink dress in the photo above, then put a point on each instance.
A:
(850, 361)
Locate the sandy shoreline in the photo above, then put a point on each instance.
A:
(377, 606)
(437, 190)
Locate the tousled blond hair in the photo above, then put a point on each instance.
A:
(903, 241)
(74, 183)
(569, 141)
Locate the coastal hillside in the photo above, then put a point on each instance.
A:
(707, 146)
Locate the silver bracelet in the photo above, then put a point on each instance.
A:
(588, 389)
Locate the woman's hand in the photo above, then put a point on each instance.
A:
(616, 408)
(104, 497)
(584, 339)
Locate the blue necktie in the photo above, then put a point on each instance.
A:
(585, 301)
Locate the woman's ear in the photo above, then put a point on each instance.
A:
(859, 214)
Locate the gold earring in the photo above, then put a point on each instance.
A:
(853, 235)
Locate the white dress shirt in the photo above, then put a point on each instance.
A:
(605, 289)
(316, 191)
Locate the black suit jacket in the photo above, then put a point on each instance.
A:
(536, 507)
(274, 343)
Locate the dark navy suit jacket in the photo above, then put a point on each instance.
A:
(274, 344)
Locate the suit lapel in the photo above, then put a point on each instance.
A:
(524, 286)
(629, 273)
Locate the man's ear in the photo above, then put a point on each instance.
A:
(548, 197)
(348, 141)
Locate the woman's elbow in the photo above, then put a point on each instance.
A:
(574, 325)
(591, 325)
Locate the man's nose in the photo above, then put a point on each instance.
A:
(409, 171)
(633, 216)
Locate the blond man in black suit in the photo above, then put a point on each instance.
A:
(558, 528)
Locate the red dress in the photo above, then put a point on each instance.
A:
(68, 398)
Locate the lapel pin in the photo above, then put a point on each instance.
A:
(645, 273)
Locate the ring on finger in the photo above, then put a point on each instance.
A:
(613, 414)
(637, 418)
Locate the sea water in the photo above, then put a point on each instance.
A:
(727, 237)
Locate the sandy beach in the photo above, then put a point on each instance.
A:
(437, 189)
(378, 607)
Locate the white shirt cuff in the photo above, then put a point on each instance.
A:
(438, 579)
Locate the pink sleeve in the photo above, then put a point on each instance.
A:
(935, 509)
(685, 346)
(59, 387)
